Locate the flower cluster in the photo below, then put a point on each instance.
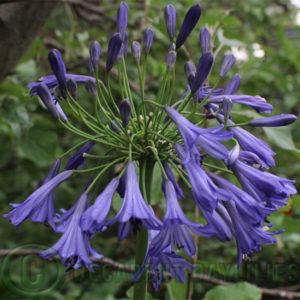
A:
(177, 135)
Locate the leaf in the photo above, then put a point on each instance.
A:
(282, 137)
(237, 291)
(39, 146)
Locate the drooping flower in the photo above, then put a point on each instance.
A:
(208, 139)
(171, 177)
(256, 102)
(204, 191)
(176, 229)
(134, 211)
(268, 189)
(274, 121)
(77, 160)
(74, 246)
(39, 205)
(166, 260)
(94, 218)
(189, 23)
(170, 20)
(47, 99)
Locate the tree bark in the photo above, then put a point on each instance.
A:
(20, 22)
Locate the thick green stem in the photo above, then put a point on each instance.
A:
(146, 173)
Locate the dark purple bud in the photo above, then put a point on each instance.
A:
(189, 69)
(125, 112)
(227, 107)
(45, 95)
(114, 126)
(274, 121)
(170, 60)
(205, 40)
(91, 87)
(95, 52)
(148, 40)
(227, 64)
(232, 85)
(122, 19)
(58, 67)
(123, 50)
(72, 88)
(189, 23)
(203, 69)
(170, 19)
(113, 50)
(136, 50)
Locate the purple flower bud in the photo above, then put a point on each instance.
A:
(232, 85)
(91, 87)
(189, 69)
(227, 64)
(148, 40)
(136, 50)
(205, 40)
(227, 107)
(170, 19)
(123, 50)
(114, 126)
(203, 69)
(58, 67)
(189, 23)
(233, 155)
(113, 50)
(125, 112)
(46, 97)
(170, 60)
(122, 19)
(274, 121)
(95, 52)
(72, 87)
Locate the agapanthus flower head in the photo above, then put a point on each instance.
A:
(122, 19)
(148, 40)
(58, 67)
(125, 112)
(227, 64)
(134, 211)
(274, 121)
(205, 40)
(74, 246)
(170, 20)
(136, 50)
(95, 52)
(39, 205)
(189, 23)
(203, 69)
(45, 95)
(113, 50)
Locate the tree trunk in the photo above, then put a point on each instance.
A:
(20, 22)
